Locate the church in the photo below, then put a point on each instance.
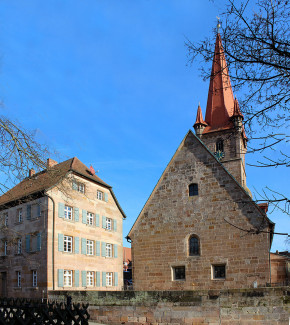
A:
(200, 228)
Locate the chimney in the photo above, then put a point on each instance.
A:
(263, 207)
(31, 172)
(51, 162)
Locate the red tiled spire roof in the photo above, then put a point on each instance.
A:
(237, 111)
(199, 117)
(220, 101)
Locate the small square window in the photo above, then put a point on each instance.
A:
(219, 271)
(178, 273)
(193, 189)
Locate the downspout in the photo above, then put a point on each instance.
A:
(52, 251)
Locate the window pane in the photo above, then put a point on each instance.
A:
(219, 271)
(193, 189)
(193, 246)
(179, 273)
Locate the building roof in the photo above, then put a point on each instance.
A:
(50, 177)
(199, 118)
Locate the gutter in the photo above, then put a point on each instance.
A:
(53, 230)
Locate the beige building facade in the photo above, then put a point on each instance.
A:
(61, 230)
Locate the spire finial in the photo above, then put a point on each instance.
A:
(218, 26)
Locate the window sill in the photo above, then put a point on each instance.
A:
(179, 280)
(33, 288)
(17, 288)
(221, 279)
(18, 223)
(18, 254)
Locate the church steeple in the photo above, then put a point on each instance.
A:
(220, 101)
(222, 129)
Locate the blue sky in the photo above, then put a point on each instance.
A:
(108, 82)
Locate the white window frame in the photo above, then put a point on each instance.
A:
(109, 279)
(5, 247)
(19, 213)
(34, 278)
(19, 246)
(100, 195)
(90, 247)
(67, 278)
(68, 212)
(90, 278)
(90, 218)
(5, 215)
(18, 279)
(67, 244)
(108, 223)
(109, 250)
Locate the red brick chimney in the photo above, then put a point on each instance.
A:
(31, 172)
(51, 162)
(263, 207)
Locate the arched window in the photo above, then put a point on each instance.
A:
(193, 245)
(220, 145)
(193, 189)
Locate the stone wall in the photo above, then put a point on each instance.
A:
(235, 306)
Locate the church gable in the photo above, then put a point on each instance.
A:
(193, 168)
(194, 221)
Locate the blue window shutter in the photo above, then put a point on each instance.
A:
(115, 279)
(38, 242)
(84, 246)
(84, 219)
(77, 245)
(106, 197)
(115, 224)
(97, 248)
(28, 212)
(60, 277)
(38, 210)
(77, 278)
(84, 278)
(60, 242)
(97, 220)
(103, 279)
(103, 249)
(115, 250)
(74, 186)
(27, 243)
(61, 210)
(104, 222)
(98, 282)
(76, 214)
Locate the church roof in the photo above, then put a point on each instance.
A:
(220, 101)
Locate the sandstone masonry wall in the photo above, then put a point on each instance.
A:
(227, 307)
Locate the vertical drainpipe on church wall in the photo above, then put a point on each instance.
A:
(52, 251)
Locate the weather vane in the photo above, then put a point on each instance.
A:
(218, 24)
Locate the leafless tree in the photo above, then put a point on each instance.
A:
(256, 43)
(19, 151)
